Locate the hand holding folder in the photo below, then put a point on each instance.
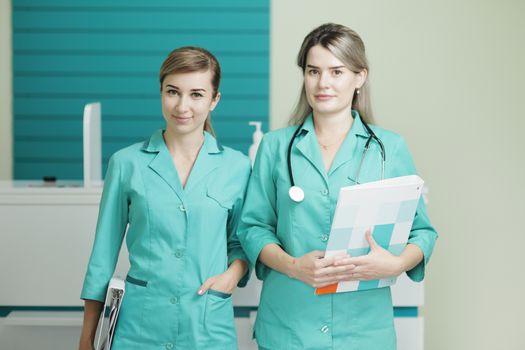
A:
(386, 208)
(114, 296)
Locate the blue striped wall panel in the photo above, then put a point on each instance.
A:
(71, 52)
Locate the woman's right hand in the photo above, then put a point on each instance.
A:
(316, 270)
(86, 345)
(92, 310)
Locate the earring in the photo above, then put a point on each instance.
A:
(357, 91)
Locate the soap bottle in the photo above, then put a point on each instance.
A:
(257, 137)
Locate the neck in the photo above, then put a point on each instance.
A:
(333, 125)
(187, 146)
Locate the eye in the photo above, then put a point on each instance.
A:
(172, 92)
(313, 71)
(337, 72)
(196, 95)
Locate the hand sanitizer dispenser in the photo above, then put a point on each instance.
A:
(257, 137)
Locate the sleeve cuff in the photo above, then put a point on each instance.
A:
(417, 273)
(259, 240)
(91, 294)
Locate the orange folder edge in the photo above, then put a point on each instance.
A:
(330, 289)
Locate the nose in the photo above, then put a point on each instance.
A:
(182, 105)
(324, 80)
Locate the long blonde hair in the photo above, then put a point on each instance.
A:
(349, 48)
(190, 59)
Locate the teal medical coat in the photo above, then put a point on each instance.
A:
(290, 315)
(177, 238)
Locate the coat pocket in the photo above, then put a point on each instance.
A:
(219, 197)
(219, 324)
(219, 294)
(136, 281)
(131, 317)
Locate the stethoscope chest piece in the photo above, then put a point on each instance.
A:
(296, 194)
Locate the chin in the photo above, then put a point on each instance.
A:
(325, 110)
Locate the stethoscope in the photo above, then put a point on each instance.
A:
(296, 193)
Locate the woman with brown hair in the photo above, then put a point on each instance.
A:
(179, 194)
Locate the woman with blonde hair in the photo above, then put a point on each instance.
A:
(291, 200)
(180, 194)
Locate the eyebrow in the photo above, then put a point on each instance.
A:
(336, 67)
(177, 88)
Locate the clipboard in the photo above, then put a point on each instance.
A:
(385, 207)
(114, 297)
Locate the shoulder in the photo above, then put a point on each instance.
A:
(235, 160)
(282, 134)
(397, 151)
(390, 139)
(387, 135)
(127, 154)
(279, 138)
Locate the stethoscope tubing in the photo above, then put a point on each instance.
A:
(372, 136)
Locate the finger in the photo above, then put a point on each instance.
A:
(332, 270)
(354, 276)
(371, 240)
(348, 277)
(324, 262)
(341, 256)
(324, 282)
(205, 286)
(348, 262)
(321, 285)
(357, 260)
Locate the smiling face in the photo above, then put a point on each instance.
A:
(329, 84)
(187, 100)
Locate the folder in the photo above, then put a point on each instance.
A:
(114, 296)
(387, 208)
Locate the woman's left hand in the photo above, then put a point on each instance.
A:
(227, 281)
(377, 264)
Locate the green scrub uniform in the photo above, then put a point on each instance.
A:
(290, 315)
(177, 238)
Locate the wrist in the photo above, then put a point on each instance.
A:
(87, 341)
(236, 270)
(400, 265)
(291, 266)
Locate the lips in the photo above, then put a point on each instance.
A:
(180, 117)
(323, 97)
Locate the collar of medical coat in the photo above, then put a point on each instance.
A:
(156, 143)
(357, 126)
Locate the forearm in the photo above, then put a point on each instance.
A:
(273, 256)
(92, 310)
(237, 269)
(410, 257)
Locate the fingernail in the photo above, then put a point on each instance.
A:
(200, 292)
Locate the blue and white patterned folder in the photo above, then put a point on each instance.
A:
(385, 207)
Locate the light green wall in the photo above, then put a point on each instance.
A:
(6, 94)
(448, 76)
